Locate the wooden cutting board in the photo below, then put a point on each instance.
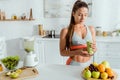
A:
(26, 73)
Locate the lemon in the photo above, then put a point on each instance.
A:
(95, 64)
(18, 71)
(14, 75)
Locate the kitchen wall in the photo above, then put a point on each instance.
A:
(105, 13)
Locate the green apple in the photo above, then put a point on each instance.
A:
(95, 74)
(87, 74)
(106, 64)
(14, 75)
(104, 75)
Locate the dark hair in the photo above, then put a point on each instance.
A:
(78, 4)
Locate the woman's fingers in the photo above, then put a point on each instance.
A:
(85, 53)
(94, 47)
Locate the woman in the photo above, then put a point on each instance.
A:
(77, 33)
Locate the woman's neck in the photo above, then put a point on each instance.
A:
(79, 26)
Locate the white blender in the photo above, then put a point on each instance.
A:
(30, 59)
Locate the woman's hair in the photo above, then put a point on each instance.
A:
(78, 4)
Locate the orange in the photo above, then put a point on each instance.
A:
(101, 68)
(109, 71)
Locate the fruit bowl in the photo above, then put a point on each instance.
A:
(115, 77)
(101, 71)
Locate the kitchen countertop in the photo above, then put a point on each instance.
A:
(60, 72)
(108, 39)
(45, 38)
(98, 39)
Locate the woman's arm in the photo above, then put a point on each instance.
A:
(93, 32)
(63, 50)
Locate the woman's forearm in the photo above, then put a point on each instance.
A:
(71, 53)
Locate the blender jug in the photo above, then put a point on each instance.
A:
(30, 58)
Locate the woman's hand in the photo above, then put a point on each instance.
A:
(94, 47)
(85, 53)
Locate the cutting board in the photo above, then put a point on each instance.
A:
(26, 73)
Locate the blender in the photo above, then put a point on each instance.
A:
(30, 59)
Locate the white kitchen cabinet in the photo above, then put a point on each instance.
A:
(3, 50)
(48, 51)
(39, 50)
(108, 49)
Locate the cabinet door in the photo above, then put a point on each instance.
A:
(3, 51)
(108, 51)
(65, 59)
(39, 50)
(52, 53)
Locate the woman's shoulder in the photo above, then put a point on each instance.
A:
(64, 30)
(91, 28)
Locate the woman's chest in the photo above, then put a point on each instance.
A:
(80, 33)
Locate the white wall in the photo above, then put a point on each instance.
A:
(105, 13)
(13, 30)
